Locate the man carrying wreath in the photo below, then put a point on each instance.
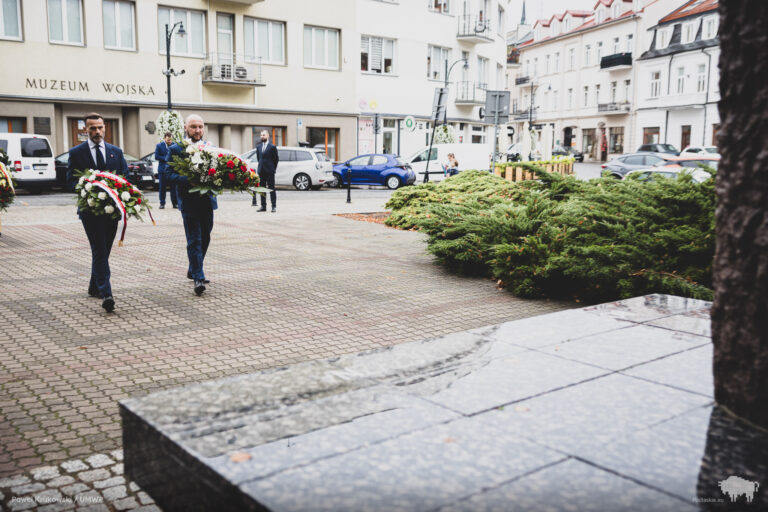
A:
(95, 153)
(196, 209)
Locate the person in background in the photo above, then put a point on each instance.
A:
(161, 155)
(451, 166)
(268, 160)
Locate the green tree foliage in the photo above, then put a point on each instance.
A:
(559, 237)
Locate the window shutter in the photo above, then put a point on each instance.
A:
(376, 54)
(364, 44)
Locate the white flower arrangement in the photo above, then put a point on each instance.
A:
(109, 209)
(125, 196)
(102, 195)
(170, 121)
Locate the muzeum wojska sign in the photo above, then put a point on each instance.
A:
(49, 84)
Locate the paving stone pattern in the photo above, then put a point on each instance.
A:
(293, 286)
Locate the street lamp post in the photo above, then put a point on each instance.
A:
(437, 116)
(168, 70)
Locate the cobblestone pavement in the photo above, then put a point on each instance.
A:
(296, 285)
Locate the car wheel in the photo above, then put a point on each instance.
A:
(393, 182)
(302, 181)
(337, 182)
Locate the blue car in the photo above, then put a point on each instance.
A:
(379, 169)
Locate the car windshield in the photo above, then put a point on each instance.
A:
(63, 158)
(711, 150)
(700, 163)
(129, 157)
(35, 148)
(669, 147)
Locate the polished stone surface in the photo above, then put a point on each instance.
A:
(605, 408)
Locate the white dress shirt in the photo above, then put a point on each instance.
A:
(264, 146)
(103, 150)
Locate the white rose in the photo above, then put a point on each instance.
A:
(88, 186)
(82, 179)
(125, 196)
(83, 193)
(191, 149)
(109, 208)
(137, 208)
(197, 159)
(91, 202)
(102, 195)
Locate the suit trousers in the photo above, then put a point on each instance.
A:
(198, 224)
(101, 231)
(267, 179)
(162, 185)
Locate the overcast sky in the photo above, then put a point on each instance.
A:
(535, 9)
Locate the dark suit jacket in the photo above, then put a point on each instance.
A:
(191, 203)
(268, 159)
(80, 158)
(161, 155)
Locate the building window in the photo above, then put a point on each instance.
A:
(118, 25)
(655, 84)
(630, 43)
(439, 6)
(264, 40)
(193, 43)
(567, 24)
(436, 58)
(597, 94)
(478, 134)
(277, 135)
(680, 80)
(546, 65)
(321, 48)
(689, 32)
(536, 66)
(557, 62)
(710, 27)
(627, 91)
(500, 77)
(482, 72)
(701, 78)
(586, 95)
(501, 23)
(685, 136)
(587, 52)
(651, 135)
(569, 99)
(546, 101)
(65, 21)
(600, 15)
(571, 58)
(12, 125)
(613, 92)
(377, 55)
(527, 67)
(599, 53)
(663, 36)
(616, 139)
(555, 105)
(616, 45)
(10, 20)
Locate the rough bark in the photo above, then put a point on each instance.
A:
(740, 309)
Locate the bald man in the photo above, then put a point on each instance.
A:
(196, 209)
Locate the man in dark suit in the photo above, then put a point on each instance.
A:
(161, 155)
(196, 209)
(268, 159)
(95, 153)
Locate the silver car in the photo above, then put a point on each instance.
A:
(621, 165)
(302, 168)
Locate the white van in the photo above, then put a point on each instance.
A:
(469, 156)
(32, 159)
(303, 168)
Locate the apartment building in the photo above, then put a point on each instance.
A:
(577, 74)
(678, 78)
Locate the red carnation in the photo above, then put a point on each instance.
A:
(231, 176)
(138, 200)
(245, 181)
(221, 155)
(211, 171)
(230, 164)
(242, 168)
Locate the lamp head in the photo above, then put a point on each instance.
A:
(181, 30)
(466, 64)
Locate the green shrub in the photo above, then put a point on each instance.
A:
(559, 237)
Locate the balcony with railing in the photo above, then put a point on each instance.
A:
(474, 29)
(523, 115)
(614, 108)
(228, 69)
(616, 61)
(470, 93)
(522, 80)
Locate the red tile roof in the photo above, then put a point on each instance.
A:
(607, 3)
(689, 8)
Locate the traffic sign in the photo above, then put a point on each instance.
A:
(409, 123)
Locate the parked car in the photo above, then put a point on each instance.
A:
(698, 175)
(700, 150)
(140, 171)
(301, 167)
(31, 158)
(568, 151)
(658, 148)
(470, 156)
(694, 161)
(621, 165)
(513, 152)
(153, 161)
(375, 169)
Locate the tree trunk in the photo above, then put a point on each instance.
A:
(740, 309)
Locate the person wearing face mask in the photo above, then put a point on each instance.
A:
(268, 159)
(196, 209)
(96, 153)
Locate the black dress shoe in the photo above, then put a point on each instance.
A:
(176, 206)
(274, 209)
(162, 207)
(199, 287)
(93, 293)
(189, 276)
(108, 304)
(262, 209)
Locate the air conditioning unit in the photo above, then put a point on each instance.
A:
(241, 73)
(225, 71)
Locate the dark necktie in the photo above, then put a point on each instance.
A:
(100, 165)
